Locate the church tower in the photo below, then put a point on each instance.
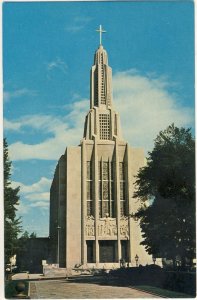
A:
(102, 121)
(91, 199)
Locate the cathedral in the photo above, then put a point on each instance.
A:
(91, 196)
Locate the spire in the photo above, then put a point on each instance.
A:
(100, 30)
(101, 80)
(102, 122)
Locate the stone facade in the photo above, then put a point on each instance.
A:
(92, 191)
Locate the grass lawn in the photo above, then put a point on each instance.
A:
(10, 288)
(162, 292)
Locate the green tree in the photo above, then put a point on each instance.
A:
(25, 235)
(33, 235)
(11, 200)
(168, 182)
(23, 260)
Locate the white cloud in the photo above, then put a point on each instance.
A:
(41, 204)
(38, 196)
(66, 131)
(33, 195)
(11, 125)
(57, 64)
(40, 122)
(42, 185)
(146, 107)
(8, 95)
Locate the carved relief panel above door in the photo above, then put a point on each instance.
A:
(107, 228)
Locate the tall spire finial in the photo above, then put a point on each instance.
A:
(100, 30)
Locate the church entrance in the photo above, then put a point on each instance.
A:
(107, 251)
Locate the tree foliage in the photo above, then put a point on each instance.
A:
(11, 200)
(33, 235)
(23, 259)
(168, 180)
(22, 244)
(26, 235)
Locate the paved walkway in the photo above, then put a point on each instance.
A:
(82, 287)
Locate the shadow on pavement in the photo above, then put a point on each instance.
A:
(105, 280)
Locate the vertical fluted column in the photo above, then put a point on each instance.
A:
(129, 196)
(96, 122)
(99, 84)
(111, 124)
(117, 200)
(83, 203)
(92, 124)
(96, 203)
(92, 87)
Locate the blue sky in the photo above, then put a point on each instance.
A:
(48, 50)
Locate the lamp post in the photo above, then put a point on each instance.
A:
(136, 260)
(154, 260)
(58, 244)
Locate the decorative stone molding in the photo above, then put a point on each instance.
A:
(124, 227)
(124, 218)
(89, 228)
(107, 227)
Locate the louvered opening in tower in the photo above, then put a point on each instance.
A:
(104, 126)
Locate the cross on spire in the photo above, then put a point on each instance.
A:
(100, 30)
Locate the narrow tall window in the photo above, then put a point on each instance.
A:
(100, 187)
(105, 183)
(106, 189)
(112, 193)
(103, 96)
(89, 195)
(122, 189)
(96, 87)
(115, 125)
